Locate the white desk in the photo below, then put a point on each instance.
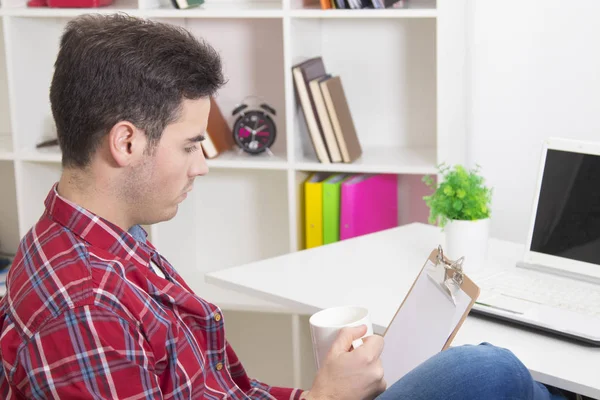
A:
(376, 271)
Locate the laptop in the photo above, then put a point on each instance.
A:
(556, 285)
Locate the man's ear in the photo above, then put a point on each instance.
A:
(126, 143)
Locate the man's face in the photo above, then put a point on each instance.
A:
(157, 185)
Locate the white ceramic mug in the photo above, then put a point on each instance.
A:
(326, 324)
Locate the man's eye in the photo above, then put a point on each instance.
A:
(191, 149)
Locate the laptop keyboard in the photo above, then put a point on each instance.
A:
(550, 290)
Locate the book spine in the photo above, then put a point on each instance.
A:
(331, 213)
(347, 212)
(313, 203)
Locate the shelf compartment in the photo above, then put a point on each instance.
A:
(252, 54)
(410, 203)
(392, 102)
(9, 224)
(215, 9)
(248, 221)
(6, 152)
(18, 8)
(412, 9)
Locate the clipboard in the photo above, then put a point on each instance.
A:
(429, 317)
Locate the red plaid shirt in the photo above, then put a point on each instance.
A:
(85, 316)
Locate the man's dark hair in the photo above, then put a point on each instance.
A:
(113, 68)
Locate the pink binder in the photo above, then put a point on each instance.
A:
(369, 203)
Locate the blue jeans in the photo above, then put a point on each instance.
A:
(468, 373)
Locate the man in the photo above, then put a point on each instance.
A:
(94, 311)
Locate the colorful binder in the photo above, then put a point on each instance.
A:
(369, 204)
(313, 209)
(331, 207)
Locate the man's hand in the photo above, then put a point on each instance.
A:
(350, 374)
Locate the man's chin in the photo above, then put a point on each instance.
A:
(166, 215)
(171, 213)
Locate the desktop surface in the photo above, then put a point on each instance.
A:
(377, 270)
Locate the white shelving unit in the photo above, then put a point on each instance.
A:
(403, 71)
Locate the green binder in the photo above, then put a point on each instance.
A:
(331, 207)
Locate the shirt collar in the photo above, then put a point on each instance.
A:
(97, 231)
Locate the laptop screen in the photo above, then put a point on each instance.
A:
(567, 221)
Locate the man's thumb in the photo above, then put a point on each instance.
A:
(343, 342)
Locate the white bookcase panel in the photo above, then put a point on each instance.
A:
(240, 160)
(382, 159)
(388, 70)
(6, 147)
(9, 224)
(46, 154)
(5, 127)
(232, 217)
(35, 181)
(35, 43)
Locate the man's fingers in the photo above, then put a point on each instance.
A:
(343, 342)
(373, 344)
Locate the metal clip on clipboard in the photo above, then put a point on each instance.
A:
(447, 275)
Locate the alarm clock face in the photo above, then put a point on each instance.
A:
(254, 132)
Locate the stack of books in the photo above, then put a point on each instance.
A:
(326, 113)
(341, 206)
(218, 137)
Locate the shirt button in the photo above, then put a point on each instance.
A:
(219, 366)
(217, 317)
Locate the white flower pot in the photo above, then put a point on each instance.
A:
(468, 239)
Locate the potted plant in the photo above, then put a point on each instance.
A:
(461, 205)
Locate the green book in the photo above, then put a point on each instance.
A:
(331, 207)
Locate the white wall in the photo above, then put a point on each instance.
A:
(535, 72)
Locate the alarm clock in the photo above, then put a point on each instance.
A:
(254, 129)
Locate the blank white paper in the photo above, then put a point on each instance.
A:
(421, 327)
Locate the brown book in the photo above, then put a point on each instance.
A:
(303, 73)
(324, 120)
(341, 119)
(218, 137)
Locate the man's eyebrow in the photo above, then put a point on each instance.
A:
(195, 139)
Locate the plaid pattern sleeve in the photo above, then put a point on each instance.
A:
(87, 352)
(254, 388)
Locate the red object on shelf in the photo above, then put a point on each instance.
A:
(37, 3)
(69, 3)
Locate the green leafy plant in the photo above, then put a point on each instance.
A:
(461, 195)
